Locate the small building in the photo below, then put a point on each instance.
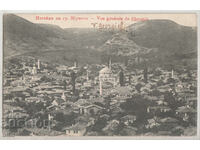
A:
(76, 130)
(34, 70)
(124, 91)
(128, 131)
(152, 123)
(90, 109)
(58, 102)
(85, 120)
(63, 96)
(128, 119)
(31, 99)
(185, 111)
(154, 109)
(192, 101)
(168, 121)
(87, 84)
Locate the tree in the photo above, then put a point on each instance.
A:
(92, 112)
(138, 87)
(99, 125)
(157, 72)
(126, 62)
(155, 92)
(136, 105)
(59, 117)
(121, 78)
(107, 102)
(45, 79)
(171, 80)
(145, 72)
(65, 84)
(65, 119)
(170, 98)
(129, 79)
(73, 81)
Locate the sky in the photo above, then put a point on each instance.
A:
(93, 20)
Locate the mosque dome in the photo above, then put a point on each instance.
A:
(105, 70)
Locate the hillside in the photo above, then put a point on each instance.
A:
(165, 35)
(24, 37)
(161, 40)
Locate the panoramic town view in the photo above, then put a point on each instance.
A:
(137, 81)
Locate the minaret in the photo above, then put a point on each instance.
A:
(87, 75)
(38, 63)
(172, 74)
(100, 87)
(110, 64)
(49, 121)
(34, 70)
(75, 63)
(63, 96)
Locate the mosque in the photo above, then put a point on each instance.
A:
(106, 75)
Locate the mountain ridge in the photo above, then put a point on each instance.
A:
(162, 38)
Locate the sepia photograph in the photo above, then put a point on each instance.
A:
(69, 75)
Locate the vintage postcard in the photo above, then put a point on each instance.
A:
(99, 75)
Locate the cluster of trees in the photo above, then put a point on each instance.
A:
(137, 105)
(171, 99)
(64, 120)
